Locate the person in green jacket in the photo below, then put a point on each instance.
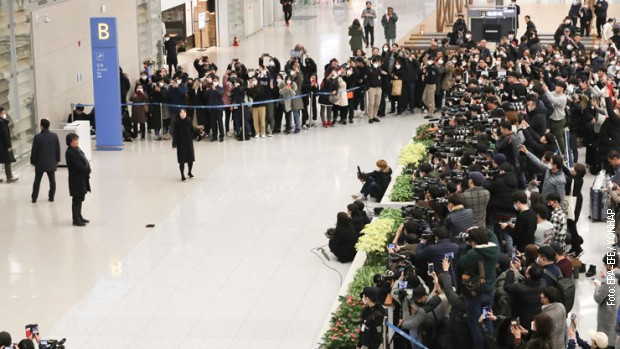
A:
(357, 36)
(481, 247)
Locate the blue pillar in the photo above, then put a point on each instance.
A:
(106, 83)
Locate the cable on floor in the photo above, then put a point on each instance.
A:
(320, 248)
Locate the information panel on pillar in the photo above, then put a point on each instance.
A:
(106, 83)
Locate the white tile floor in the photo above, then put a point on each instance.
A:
(228, 264)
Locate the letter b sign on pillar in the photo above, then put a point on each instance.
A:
(106, 83)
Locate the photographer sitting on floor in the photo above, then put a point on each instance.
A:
(375, 182)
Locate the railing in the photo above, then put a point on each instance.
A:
(447, 11)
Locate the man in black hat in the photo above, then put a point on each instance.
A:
(45, 156)
(371, 331)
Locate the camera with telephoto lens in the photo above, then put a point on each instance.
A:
(462, 237)
(52, 343)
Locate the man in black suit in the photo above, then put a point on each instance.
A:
(45, 156)
(6, 149)
(79, 176)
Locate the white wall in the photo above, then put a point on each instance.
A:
(62, 52)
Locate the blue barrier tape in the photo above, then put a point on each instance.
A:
(407, 336)
(223, 105)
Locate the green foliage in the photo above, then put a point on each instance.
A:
(375, 236)
(394, 214)
(402, 189)
(412, 154)
(345, 323)
(363, 278)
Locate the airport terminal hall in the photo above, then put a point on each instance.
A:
(310, 174)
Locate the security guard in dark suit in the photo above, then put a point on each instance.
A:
(45, 156)
(371, 331)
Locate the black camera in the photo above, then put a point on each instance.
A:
(52, 343)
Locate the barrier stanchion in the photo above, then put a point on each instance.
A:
(242, 122)
(161, 120)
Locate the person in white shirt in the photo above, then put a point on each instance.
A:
(608, 31)
(544, 228)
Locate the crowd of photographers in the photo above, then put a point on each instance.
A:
(33, 340)
(486, 257)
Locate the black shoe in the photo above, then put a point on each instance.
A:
(190, 175)
(591, 271)
(221, 139)
(34, 201)
(213, 139)
(183, 179)
(428, 117)
(376, 120)
(344, 122)
(79, 224)
(84, 220)
(582, 268)
(51, 199)
(370, 121)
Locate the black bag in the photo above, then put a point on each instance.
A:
(472, 286)
(567, 290)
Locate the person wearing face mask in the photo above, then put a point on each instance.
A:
(170, 47)
(139, 112)
(350, 78)
(183, 142)
(542, 328)
(373, 84)
(145, 82)
(600, 11)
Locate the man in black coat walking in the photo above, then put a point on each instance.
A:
(6, 149)
(600, 11)
(45, 156)
(79, 177)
